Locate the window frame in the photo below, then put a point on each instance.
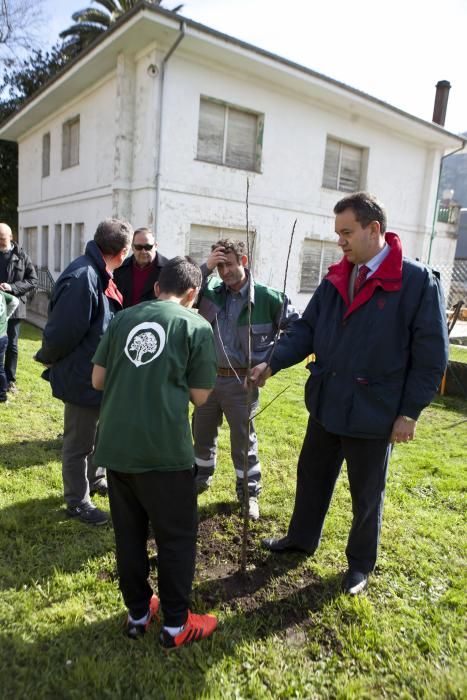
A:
(67, 144)
(342, 144)
(258, 145)
(326, 245)
(216, 233)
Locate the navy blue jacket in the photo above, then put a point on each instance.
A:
(79, 313)
(381, 356)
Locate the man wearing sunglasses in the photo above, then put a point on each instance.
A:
(137, 276)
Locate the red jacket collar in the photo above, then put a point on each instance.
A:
(388, 276)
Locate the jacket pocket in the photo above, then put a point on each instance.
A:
(313, 389)
(374, 405)
(262, 336)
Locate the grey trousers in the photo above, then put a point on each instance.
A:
(79, 438)
(228, 398)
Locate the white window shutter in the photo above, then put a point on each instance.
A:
(351, 168)
(311, 266)
(331, 254)
(241, 139)
(211, 131)
(46, 154)
(74, 142)
(331, 164)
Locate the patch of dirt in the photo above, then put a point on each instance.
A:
(271, 587)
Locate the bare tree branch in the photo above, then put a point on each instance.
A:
(20, 24)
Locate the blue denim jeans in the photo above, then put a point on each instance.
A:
(3, 379)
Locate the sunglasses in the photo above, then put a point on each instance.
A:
(143, 246)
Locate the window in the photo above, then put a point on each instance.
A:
(78, 240)
(46, 155)
(45, 246)
(203, 237)
(70, 143)
(317, 256)
(229, 136)
(343, 166)
(58, 248)
(30, 242)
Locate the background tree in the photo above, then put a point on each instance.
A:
(92, 21)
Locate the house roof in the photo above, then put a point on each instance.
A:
(146, 23)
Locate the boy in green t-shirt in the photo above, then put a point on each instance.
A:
(8, 304)
(153, 359)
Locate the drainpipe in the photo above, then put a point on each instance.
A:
(159, 126)
(435, 215)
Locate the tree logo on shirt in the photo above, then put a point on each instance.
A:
(145, 342)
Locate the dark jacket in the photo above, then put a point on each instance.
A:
(377, 358)
(123, 277)
(79, 313)
(22, 277)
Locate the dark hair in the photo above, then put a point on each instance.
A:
(365, 207)
(113, 235)
(143, 229)
(179, 275)
(238, 248)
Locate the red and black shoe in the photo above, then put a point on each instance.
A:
(135, 631)
(196, 627)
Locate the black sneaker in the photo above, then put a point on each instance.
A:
(88, 513)
(354, 582)
(12, 388)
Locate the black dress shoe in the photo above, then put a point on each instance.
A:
(283, 544)
(354, 582)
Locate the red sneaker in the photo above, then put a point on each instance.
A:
(135, 631)
(195, 628)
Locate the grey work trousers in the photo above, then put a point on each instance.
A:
(228, 398)
(79, 438)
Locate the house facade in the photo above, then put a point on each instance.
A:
(164, 121)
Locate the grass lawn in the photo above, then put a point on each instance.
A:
(285, 630)
(458, 353)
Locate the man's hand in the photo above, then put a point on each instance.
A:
(260, 374)
(403, 429)
(5, 287)
(217, 256)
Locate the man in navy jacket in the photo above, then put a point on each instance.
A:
(84, 300)
(376, 326)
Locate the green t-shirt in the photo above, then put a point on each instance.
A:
(153, 353)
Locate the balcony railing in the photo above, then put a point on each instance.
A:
(449, 214)
(46, 281)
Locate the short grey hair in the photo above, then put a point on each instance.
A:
(113, 235)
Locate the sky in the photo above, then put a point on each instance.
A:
(394, 50)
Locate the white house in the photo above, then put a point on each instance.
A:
(163, 120)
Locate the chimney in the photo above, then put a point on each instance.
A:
(441, 101)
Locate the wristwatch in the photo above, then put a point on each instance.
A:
(409, 419)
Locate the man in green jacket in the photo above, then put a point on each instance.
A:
(224, 303)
